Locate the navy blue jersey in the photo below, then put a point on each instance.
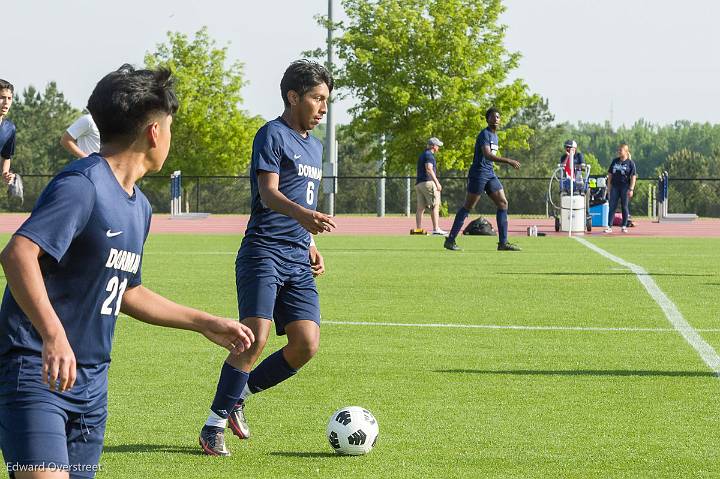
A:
(425, 158)
(7, 139)
(92, 233)
(277, 148)
(621, 171)
(482, 166)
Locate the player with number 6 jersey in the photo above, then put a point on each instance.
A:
(297, 161)
(277, 260)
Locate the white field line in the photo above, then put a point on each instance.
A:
(505, 326)
(673, 314)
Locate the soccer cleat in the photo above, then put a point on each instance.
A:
(608, 230)
(451, 245)
(212, 441)
(439, 232)
(508, 247)
(237, 423)
(623, 229)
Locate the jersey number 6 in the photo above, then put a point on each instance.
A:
(310, 194)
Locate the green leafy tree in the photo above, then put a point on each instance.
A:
(650, 144)
(41, 118)
(700, 197)
(211, 134)
(421, 68)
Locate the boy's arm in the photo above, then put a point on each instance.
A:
(19, 260)
(317, 262)
(149, 307)
(313, 221)
(433, 177)
(487, 152)
(70, 144)
(7, 176)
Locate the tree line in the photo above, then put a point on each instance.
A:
(415, 68)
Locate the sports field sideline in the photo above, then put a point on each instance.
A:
(397, 225)
(573, 358)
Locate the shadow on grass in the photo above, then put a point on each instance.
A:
(138, 448)
(304, 454)
(582, 372)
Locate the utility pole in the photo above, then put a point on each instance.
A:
(330, 166)
(381, 178)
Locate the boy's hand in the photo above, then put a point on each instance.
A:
(315, 222)
(230, 334)
(59, 366)
(317, 263)
(514, 163)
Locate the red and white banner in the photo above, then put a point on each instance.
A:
(570, 164)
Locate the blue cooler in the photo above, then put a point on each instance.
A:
(599, 214)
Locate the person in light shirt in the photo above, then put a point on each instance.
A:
(82, 138)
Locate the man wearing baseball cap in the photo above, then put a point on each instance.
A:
(427, 186)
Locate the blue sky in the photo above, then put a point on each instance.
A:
(594, 60)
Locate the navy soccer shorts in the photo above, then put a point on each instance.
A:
(488, 184)
(37, 435)
(267, 288)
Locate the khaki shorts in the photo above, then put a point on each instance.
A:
(427, 195)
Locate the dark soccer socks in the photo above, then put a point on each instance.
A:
(273, 370)
(460, 218)
(229, 389)
(502, 225)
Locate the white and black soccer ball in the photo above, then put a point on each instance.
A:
(352, 430)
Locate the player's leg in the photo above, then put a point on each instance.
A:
(303, 343)
(32, 438)
(258, 282)
(614, 198)
(474, 190)
(297, 314)
(85, 437)
(625, 207)
(435, 213)
(234, 376)
(497, 194)
(236, 369)
(420, 208)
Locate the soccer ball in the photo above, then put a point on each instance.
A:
(352, 430)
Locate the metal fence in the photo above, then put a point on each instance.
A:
(360, 195)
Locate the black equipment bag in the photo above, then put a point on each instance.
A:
(480, 227)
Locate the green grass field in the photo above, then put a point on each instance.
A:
(625, 397)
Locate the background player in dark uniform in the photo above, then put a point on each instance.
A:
(481, 178)
(622, 176)
(7, 130)
(277, 259)
(71, 268)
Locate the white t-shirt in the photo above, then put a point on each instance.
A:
(86, 134)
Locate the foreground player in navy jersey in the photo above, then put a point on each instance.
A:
(277, 259)
(71, 268)
(7, 130)
(481, 178)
